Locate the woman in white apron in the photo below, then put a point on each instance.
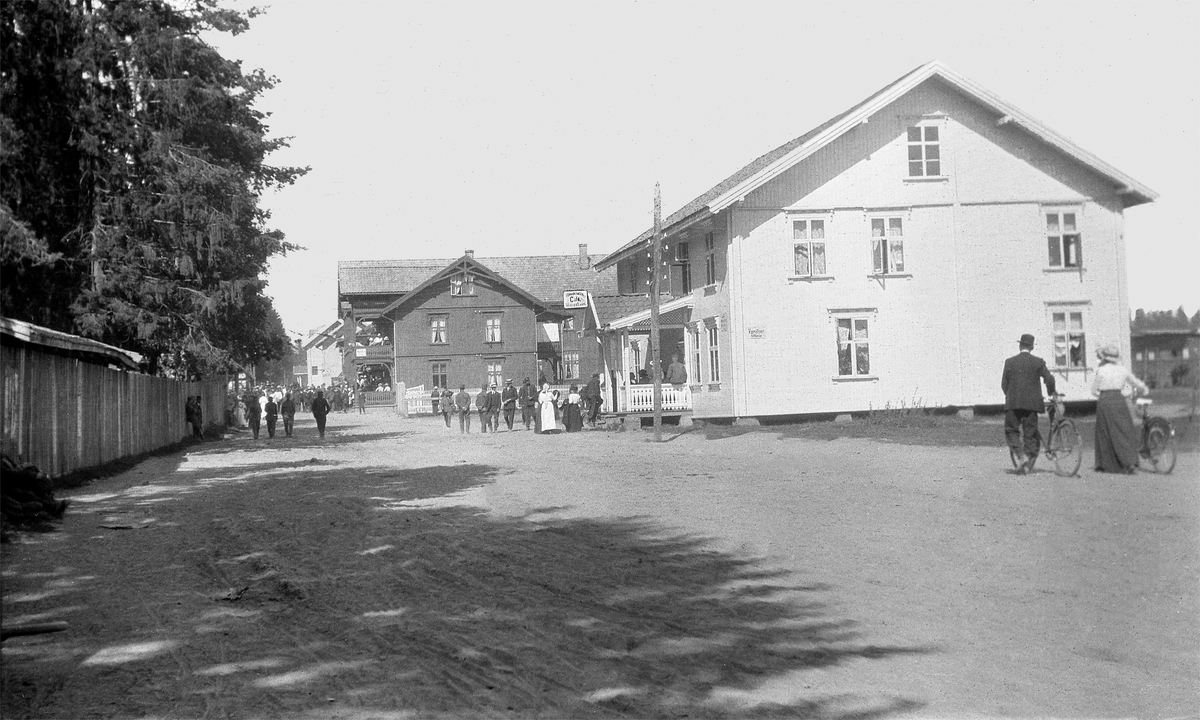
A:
(546, 410)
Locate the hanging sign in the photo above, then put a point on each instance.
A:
(575, 299)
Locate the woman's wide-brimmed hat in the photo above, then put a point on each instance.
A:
(1108, 352)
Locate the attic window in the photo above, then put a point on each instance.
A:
(462, 284)
(924, 151)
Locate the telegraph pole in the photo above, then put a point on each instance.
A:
(656, 269)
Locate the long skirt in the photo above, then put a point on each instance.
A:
(1116, 437)
(572, 418)
(546, 413)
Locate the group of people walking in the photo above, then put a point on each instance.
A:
(545, 411)
(1116, 438)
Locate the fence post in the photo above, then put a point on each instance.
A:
(402, 400)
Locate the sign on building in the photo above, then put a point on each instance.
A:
(575, 299)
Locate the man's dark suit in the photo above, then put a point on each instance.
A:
(1022, 386)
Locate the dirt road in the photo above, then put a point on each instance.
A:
(394, 570)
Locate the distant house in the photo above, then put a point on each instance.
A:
(894, 254)
(470, 320)
(323, 355)
(1166, 357)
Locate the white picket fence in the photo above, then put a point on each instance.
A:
(640, 398)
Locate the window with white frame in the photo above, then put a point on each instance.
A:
(316, 370)
(492, 328)
(808, 248)
(924, 151)
(714, 353)
(710, 259)
(495, 371)
(439, 329)
(1069, 338)
(694, 370)
(462, 283)
(440, 372)
(1063, 240)
(887, 245)
(571, 363)
(853, 346)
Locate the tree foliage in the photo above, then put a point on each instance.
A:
(132, 167)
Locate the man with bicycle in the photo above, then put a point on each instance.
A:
(1022, 386)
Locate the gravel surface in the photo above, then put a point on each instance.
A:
(398, 570)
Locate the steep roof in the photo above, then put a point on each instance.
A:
(769, 166)
(466, 262)
(542, 276)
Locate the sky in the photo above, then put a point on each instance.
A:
(516, 128)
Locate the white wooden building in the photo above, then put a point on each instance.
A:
(892, 255)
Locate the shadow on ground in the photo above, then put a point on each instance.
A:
(325, 591)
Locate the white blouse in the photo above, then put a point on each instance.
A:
(1111, 376)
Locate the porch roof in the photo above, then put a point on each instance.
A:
(672, 312)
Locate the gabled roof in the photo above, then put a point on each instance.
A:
(465, 263)
(543, 276)
(769, 166)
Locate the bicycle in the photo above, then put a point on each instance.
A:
(1063, 445)
(1158, 440)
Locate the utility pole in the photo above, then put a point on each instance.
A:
(656, 269)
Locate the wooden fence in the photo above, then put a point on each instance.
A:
(64, 414)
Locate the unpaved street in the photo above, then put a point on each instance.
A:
(396, 570)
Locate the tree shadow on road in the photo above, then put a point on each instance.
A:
(359, 592)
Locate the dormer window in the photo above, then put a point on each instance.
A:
(462, 284)
(924, 151)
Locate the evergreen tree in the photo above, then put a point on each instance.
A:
(132, 169)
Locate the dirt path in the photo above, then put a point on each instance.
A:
(394, 570)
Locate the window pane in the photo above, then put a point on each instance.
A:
(860, 329)
(1078, 357)
(916, 169)
(1052, 223)
(818, 258)
(1068, 222)
(914, 134)
(803, 267)
(845, 360)
(879, 253)
(931, 134)
(877, 227)
(1070, 250)
(895, 227)
(932, 152)
(1060, 322)
(800, 230)
(1076, 321)
(843, 330)
(1055, 252)
(896, 255)
(818, 229)
(914, 152)
(863, 357)
(933, 167)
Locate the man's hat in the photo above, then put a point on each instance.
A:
(1108, 352)
(508, 381)
(493, 384)
(1026, 339)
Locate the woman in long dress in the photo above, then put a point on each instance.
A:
(546, 410)
(572, 414)
(1116, 437)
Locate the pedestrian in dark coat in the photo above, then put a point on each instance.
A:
(447, 405)
(594, 398)
(1022, 386)
(320, 409)
(508, 402)
(253, 412)
(491, 408)
(462, 401)
(527, 398)
(287, 409)
(272, 411)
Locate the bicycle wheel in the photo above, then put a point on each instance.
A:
(1065, 448)
(1160, 446)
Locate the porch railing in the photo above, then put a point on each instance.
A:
(640, 398)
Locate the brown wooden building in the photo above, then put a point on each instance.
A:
(471, 321)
